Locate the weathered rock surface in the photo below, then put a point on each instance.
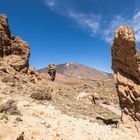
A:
(13, 50)
(15, 72)
(88, 98)
(126, 67)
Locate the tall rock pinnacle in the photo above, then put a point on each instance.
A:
(126, 67)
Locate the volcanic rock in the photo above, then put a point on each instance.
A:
(88, 98)
(126, 67)
(13, 50)
(14, 64)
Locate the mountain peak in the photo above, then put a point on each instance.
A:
(80, 71)
(70, 63)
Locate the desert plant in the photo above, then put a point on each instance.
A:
(9, 107)
(41, 95)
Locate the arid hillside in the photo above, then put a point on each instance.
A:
(76, 70)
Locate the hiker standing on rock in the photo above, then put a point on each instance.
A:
(52, 71)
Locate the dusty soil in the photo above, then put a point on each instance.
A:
(64, 99)
(63, 117)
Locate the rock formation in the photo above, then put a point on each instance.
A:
(14, 62)
(126, 67)
(13, 50)
(88, 98)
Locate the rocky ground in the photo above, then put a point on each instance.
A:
(66, 99)
(62, 118)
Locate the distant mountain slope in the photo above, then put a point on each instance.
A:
(80, 71)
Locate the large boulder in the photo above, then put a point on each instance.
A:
(126, 67)
(13, 50)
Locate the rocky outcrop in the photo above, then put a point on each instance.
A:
(126, 67)
(14, 63)
(13, 50)
(88, 98)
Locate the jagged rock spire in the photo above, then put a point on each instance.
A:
(126, 67)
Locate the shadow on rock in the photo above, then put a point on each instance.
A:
(107, 121)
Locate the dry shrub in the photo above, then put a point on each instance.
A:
(40, 95)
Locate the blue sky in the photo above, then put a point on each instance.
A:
(80, 31)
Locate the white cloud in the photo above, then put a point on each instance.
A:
(108, 33)
(59, 6)
(134, 23)
(90, 22)
(50, 3)
(94, 23)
